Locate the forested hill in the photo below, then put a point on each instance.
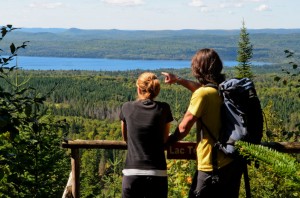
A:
(269, 44)
(159, 33)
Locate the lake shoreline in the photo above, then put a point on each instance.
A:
(96, 64)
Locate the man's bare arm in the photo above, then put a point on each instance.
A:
(172, 78)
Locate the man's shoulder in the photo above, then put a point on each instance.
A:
(206, 90)
(201, 91)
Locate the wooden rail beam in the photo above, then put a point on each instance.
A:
(286, 147)
(95, 144)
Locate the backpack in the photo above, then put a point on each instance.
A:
(242, 119)
(241, 114)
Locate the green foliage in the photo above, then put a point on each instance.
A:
(35, 164)
(180, 176)
(32, 164)
(265, 183)
(278, 172)
(89, 176)
(95, 95)
(99, 95)
(245, 53)
(101, 174)
(274, 126)
(112, 180)
(282, 164)
(291, 78)
(281, 167)
(290, 71)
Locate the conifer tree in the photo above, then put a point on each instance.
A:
(32, 163)
(243, 69)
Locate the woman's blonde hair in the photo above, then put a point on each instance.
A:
(149, 85)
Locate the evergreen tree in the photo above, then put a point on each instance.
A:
(244, 55)
(32, 163)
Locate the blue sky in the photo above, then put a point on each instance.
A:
(151, 14)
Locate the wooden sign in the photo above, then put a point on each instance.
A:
(182, 150)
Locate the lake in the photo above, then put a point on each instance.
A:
(99, 64)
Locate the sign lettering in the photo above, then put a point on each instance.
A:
(182, 150)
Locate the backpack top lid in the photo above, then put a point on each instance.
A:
(237, 85)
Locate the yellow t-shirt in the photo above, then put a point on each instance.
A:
(206, 104)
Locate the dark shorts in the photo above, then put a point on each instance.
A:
(144, 187)
(227, 187)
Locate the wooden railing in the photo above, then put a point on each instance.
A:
(180, 150)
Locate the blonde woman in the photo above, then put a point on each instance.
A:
(145, 127)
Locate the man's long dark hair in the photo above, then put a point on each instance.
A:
(207, 67)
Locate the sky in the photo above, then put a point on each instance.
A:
(151, 14)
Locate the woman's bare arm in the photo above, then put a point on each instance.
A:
(124, 131)
(166, 132)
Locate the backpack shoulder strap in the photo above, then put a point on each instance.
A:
(208, 131)
(212, 85)
(215, 175)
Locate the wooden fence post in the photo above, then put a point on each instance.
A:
(75, 161)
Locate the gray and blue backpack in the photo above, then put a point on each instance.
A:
(242, 116)
(242, 119)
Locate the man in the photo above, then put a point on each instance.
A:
(212, 179)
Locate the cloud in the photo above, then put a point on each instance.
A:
(255, 0)
(46, 5)
(197, 3)
(124, 2)
(238, 5)
(230, 5)
(262, 8)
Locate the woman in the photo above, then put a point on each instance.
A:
(145, 127)
(204, 110)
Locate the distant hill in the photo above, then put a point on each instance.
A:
(183, 31)
(269, 44)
